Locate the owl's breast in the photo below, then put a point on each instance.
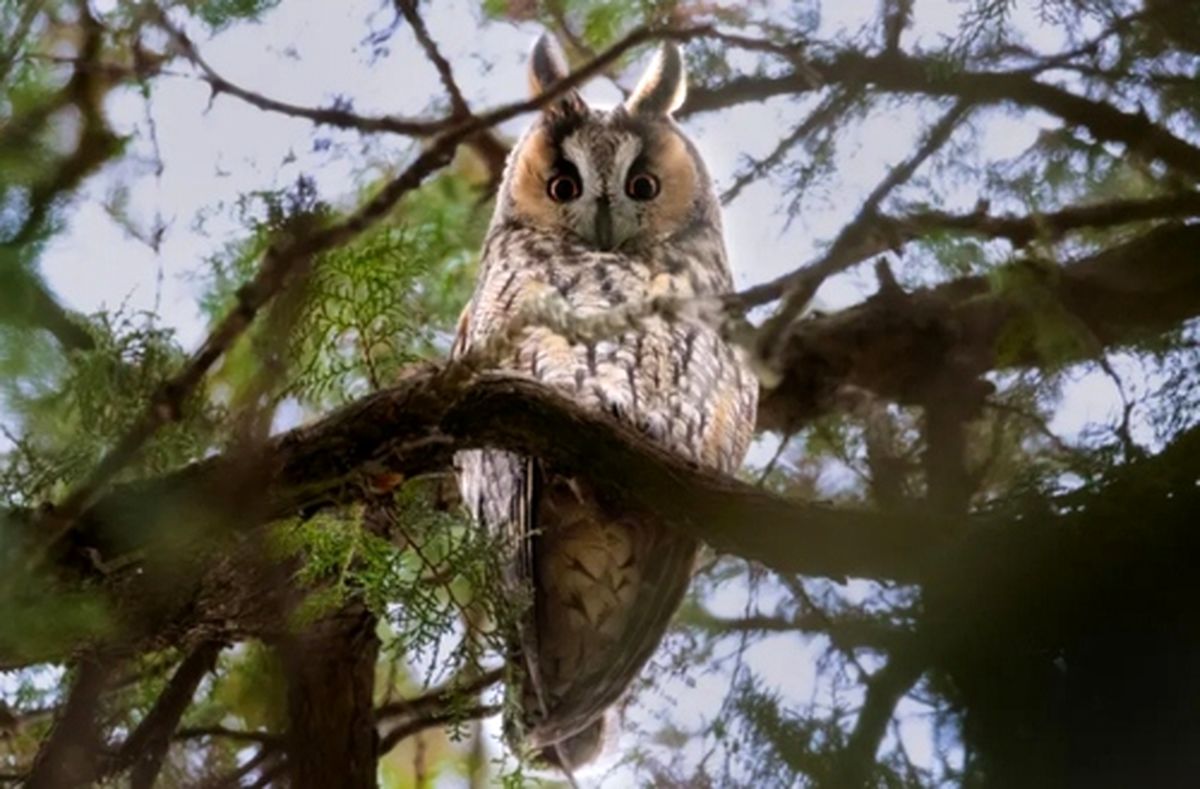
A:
(679, 382)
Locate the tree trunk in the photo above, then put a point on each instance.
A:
(331, 677)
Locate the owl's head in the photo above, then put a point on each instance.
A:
(613, 179)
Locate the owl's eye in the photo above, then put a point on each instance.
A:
(642, 186)
(564, 188)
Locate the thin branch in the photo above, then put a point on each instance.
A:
(408, 9)
(885, 688)
(798, 287)
(796, 585)
(897, 16)
(237, 735)
(1049, 226)
(336, 117)
(146, 747)
(442, 718)
(438, 698)
(848, 633)
(898, 73)
(825, 113)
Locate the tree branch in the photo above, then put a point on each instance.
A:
(408, 9)
(899, 73)
(441, 718)
(1049, 226)
(493, 151)
(336, 117)
(146, 747)
(438, 698)
(884, 690)
(69, 755)
(891, 347)
(896, 348)
(26, 302)
(797, 288)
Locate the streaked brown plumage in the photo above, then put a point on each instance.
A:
(605, 208)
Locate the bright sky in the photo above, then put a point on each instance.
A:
(308, 51)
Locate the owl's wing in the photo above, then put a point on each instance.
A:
(501, 490)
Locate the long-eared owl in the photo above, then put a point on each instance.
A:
(607, 207)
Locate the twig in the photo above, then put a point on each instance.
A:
(442, 696)
(795, 584)
(199, 732)
(324, 116)
(784, 442)
(408, 9)
(234, 779)
(826, 112)
(897, 16)
(847, 633)
(798, 287)
(457, 715)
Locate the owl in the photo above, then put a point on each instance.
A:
(604, 207)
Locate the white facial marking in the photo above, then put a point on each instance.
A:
(603, 173)
(626, 219)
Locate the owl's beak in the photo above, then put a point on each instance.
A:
(603, 233)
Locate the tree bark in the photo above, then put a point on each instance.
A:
(330, 670)
(70, 755)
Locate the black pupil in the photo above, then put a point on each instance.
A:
(642, 187)
(563, 189)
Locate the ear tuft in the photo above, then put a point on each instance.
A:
(663, 87)
(548, 65)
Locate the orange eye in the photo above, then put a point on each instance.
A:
(564, 188)
(642, 186)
